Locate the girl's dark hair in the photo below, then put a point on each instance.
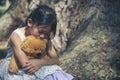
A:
(44, 15)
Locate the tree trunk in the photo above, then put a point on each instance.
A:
(87, 33)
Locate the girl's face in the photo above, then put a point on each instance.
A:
(38, 31)
(42, 31)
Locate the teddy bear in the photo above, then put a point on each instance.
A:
(33, 48)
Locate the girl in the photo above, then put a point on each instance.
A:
(41, 21)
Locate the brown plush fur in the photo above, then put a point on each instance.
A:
(32, 47)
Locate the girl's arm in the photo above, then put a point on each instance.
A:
(51, 58)
(19, 54)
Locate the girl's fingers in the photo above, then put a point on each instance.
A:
(28, 68)
(32, 70)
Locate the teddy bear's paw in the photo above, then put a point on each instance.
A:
(13, 69)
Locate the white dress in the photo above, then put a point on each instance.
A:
(51, 72)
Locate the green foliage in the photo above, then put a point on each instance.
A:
(3, 6)
(2, 10)
(2, 2)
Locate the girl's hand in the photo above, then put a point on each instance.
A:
(32, 66)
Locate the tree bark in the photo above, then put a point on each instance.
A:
(87, 33)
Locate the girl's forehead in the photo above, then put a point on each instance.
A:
(43, 26)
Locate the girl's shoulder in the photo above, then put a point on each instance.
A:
(19, 32)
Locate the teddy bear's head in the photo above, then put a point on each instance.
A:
(33, 46)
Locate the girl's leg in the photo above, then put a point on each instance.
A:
(59, 75)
